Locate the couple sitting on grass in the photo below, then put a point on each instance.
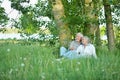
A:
(80, 47)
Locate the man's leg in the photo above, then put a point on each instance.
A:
(63, 51)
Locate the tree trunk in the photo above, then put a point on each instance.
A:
(97, 32)
(90, 25)
(64, 31)
(109, 25)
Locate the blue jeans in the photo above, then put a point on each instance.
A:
(68, 53)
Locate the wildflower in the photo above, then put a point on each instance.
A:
(52, 62)
(77, 69)
(58, 59)
(103, 70)
(8, 50)
(11, 70)
(22, 65)
(43, 76)
(16, 69)
(20, 57)
(24, 59)
(30, 53)
(78, 63)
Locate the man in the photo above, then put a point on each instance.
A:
(72, 47)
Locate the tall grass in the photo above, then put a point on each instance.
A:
(34, 62)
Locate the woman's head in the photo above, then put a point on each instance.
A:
(85, 40)
(78, 37)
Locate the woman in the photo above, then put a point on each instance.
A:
(86, 49)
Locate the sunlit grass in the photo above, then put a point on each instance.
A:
(33, 62)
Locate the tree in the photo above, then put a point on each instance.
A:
(109, 25)
(75, 17)
(91, 28)
(97, 7)
(71, 16)
(30, 22)
(17, 4)
(64, 32)
(3, 16)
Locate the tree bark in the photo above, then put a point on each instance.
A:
(97, 32)
(64, 31)
(109, 25)
(90, 26)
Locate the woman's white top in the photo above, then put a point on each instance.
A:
(87, 51)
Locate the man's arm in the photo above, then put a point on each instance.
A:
(71, 47)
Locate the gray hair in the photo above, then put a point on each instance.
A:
(80, 34)
(87, 38)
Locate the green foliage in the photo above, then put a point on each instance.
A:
(74, 12)
(16, 4)
(114, 2)
(30, 21)
(3, 16)
(75, 16)
(117, 35)
(43, 8)
(28, 24)
(103, 30)
(34, 62)
(116, 15)
(53, 28)
(115, 9)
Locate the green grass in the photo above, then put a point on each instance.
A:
(34, 62)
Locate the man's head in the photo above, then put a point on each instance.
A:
(78, 37)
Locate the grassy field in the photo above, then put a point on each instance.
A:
(35, 62)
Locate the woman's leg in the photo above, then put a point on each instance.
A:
(72, 54)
